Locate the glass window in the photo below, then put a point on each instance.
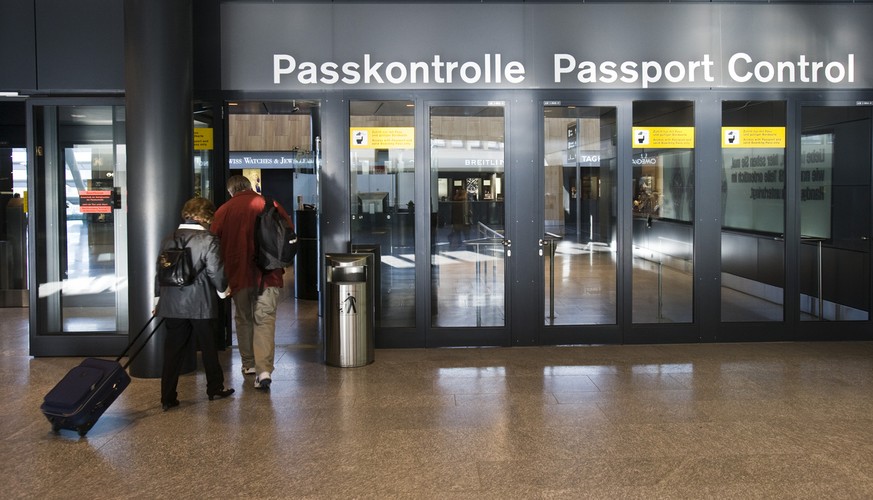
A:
(663, 211)
(276, 145)
(382, 150)
(579, 208)
(835, 159)
(753, 210)
(204, 151)
(83, 228)
(467, 212)
(13, 228)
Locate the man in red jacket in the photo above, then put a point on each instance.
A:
(255, 293)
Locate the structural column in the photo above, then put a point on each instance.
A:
(158, 61)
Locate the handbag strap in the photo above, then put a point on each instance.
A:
(176, 240)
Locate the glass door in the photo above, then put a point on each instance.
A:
(579, 242)
(663, 212)
(753, 211)
(382, 178)
(468, 239)
(835, 213)
(79, 297)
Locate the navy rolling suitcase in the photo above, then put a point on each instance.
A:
(86, 391)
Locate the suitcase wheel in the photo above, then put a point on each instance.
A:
(56, 427)
(83, 430)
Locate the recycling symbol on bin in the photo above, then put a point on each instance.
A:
(350, 302)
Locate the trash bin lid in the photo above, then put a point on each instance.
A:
(347, 274)
(345, 259)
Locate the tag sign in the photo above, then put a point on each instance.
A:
(663, 137)
(753, 137)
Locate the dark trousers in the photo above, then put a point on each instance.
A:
(180, 333)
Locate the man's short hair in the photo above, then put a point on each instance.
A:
(237, 184)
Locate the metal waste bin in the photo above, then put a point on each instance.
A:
(349, 319)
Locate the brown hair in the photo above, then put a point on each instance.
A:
(199, 209)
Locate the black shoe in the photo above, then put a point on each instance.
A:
(170, 404)
(221, 394)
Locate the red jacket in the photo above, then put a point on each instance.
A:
(234, 224)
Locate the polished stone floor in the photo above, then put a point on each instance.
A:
(745, 421)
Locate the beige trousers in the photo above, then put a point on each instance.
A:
(256, 327)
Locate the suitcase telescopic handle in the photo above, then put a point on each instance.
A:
(141, 346)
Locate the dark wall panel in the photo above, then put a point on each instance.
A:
(12, 123)
(17, 45)
(207, 45)
(80, 45)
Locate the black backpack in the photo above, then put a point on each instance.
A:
(176, 267)
(275, 240)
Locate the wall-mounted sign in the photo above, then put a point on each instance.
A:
(96, 202)
(275, 46)
(663, 137)
(258, 159)
(382, 137)
(202, 139)
(753, 137)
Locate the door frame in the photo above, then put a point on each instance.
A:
(43, 342)
(821, 330)
(585, 333)
(459, 336)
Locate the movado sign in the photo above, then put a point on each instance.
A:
(323, 46)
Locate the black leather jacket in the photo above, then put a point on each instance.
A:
(199, 300)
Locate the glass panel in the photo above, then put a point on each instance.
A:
(382, 149)
(835, 158)
(663, 212)
(753, 211)
(84, 288)
(204, 151)
(276, 145)
(467, 214)
(579, 245)
(13, 228)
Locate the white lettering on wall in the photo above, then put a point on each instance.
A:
(370, 71)
(743, 68)
(566, 69)
(650, 72)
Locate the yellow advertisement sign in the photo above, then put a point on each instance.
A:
(202, 139)
(663, 137)
(382, 137)
(753, 137)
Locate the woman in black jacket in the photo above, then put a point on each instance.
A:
(188, 309)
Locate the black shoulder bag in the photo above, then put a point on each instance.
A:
(176, 267)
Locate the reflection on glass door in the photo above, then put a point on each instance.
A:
(663, 212)
(835, 159)
(204, 124)
(753, 211)
(382, 149)
(579, 243)
(81, 228)
(13, 228)
(468, 244)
